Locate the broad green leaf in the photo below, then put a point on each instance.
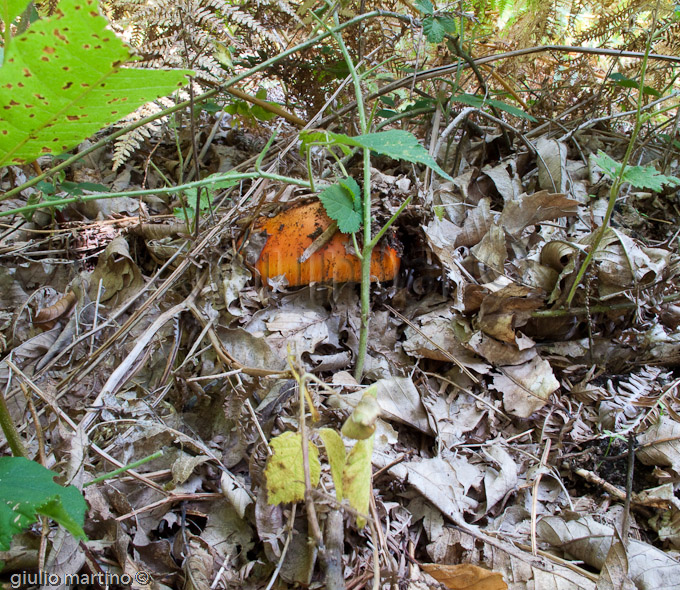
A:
(434, 31)
(397, 144)
(339, 205)
(335, 449)
(639, 176)
(285, 472)
(479, 102)
(425, 6)
(27, 489)
(353, 188)
(62, 81)
(356, 478)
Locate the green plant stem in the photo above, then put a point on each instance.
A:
(628, 305)
(10, 431)
(204, 96)
(368, 243)
(618, 182)
(125, 468)
(160, 191)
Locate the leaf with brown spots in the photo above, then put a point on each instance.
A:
(62, 80)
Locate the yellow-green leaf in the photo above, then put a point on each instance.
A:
(285, 472)
(362, 421)
(335, 449)
(356, 479)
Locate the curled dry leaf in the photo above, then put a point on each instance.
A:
(533, 209)
(293, 231)
(465, 576)
(503, 311)
(56, 310)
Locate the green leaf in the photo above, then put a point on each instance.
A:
(335, 449)
(479, 102)
(352, 187)
(395, 143)
(77, 188)
(27, 489)
(436, 27)
(425, 6)
(10, 9)
(339, 204)
(285, 472)
(62, 81)
(625, 82)
(646, 177)
(433, 29)
(356, 478)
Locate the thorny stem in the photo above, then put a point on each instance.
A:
(618, 182)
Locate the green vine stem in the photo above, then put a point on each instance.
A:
(618, 182)
(368, 243)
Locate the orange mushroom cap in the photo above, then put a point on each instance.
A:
(292, 231)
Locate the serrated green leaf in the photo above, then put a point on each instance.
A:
(285, 473)
(433, 29)
(339, 206)
(27, 489)
(356, 478)
(62, 81)
(397, 144)
(425, 6)
(646, 177)
(335, 449)
(353, 188)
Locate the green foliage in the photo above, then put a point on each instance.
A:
(362, 421)
(47, 192)
(645, 177)
(63, 80)
(207, 195)
(397, 144)
(27, 489)
(479, 102)
(626, 82)
(337, 457)
(343, 203)
(435, 26)
(251, 113)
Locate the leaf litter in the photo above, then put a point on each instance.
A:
(500, 456)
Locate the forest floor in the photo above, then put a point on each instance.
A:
(524, 441)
